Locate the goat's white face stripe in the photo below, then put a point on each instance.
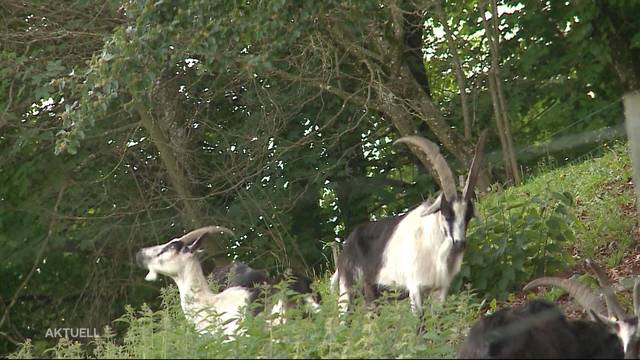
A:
(455, 229)
(625, 332)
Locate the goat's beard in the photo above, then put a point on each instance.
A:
(151, 276)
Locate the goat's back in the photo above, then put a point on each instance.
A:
(536, 330)
(300, 284)
(239, 274)
(364, 247)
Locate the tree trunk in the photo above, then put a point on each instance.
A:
(460, 77)
(189, 211)
(497, 97)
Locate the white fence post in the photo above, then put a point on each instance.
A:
(632, 121)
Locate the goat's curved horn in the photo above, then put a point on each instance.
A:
(194, 235)
(584, 295)
(474, 169)
(447, 183)
(613, 306)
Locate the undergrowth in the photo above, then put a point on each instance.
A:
(390, 332)
(525, 231)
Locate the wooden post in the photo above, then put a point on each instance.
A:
(632, 121)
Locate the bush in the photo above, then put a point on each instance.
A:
(517, 240)
(391, 332)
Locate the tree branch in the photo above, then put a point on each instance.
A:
(43, 246)
(460, 77)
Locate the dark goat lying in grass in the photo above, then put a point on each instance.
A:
(538, 329)
(624, 325)
(240, 274)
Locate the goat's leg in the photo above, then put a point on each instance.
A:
(415, 295)
(344, 297)
(441, 294)
(370, 293)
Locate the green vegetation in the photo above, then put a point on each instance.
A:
(126, 123)
(390, 333)
(541, 237)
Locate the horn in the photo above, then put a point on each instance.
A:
(474, 169)
(196, 234)
(613, 306)
(584, 295)
(447, 183)
(636, 298)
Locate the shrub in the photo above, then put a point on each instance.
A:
(515, 240)
(390, 332)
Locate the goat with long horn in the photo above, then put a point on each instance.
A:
(419, 250)
(538, 330)
(619, 321)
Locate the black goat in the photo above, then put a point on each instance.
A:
(624, 325)
(538, 329)
(239, 274)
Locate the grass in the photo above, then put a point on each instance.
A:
(599, 186)
(601, 191)
(390, 333)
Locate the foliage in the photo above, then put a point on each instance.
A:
(391, 333)
(517, 240)
(281, 118)
(601, 182)
(538, 228)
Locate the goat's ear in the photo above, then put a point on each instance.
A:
(433, 208)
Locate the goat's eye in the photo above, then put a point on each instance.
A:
(176, 245)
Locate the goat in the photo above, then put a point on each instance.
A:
(419, 250)
(240, 274)
(538, 329)
(624, 325)
(241, 284)
(206, 310)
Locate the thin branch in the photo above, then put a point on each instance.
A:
(460, 77)
(43, 246)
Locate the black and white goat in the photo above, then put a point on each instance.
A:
(241, 285)
(624, 325)
(419, 250)
(178, 260)
(539, 330)
(301, 294)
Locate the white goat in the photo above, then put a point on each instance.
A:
(177, 259)
(419, 250)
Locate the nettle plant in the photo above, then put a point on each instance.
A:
(516, 241)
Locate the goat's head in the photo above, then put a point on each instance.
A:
(455, 208)
(619, 321)
(170, 259)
